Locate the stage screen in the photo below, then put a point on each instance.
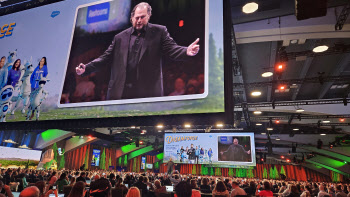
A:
(171, 65)
(17, 156)
(218, 149)
(95, 157)
(149, 166)
(143, 163)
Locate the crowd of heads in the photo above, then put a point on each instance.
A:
(102, 183)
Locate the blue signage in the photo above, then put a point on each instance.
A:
(97, 13)
(143, 163)
(223, 139)
(95, 157)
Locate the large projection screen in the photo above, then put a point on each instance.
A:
(217, 149)
(68, 33)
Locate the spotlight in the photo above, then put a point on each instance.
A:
(282, 87)
(219, 125)
(160, 126)
(269, 129)
(278, 139)
(257, 112)
(267, 74)
(143, 132)
(262, 159)
(263, 133)
(133, 127)
(159, 131)
(250, 7)
(288, 160)
(342, 120)
(345, 162)
(320, 49)
(280, 67)
(89, 136)
(326, 121)
(296, 129)
(81, 137)
(256, 93)
(282, 157)
(141, 142)
(299, 110)
(322, 134)
(258, 124)
(181, 23)
(277, 121)
(187, 126)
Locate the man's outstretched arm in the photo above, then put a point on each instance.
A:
(97, 63)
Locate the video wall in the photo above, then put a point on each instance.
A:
(95, 161)
(96, 59)
(18, 157)
(218, 149)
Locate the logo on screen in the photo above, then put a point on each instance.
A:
(223, 139)
(6, 30)
(55, 13)
(97, 13)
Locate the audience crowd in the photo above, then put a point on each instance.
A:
(102, 183)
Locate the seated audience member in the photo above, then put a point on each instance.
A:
(205, 188)
(112, 179)
(250, 190)
(307, 192)
(220, 189)
(5, 190)
(30, 192)
(43, 193)
(183, 189)
(143, 187)
(121, 186)
(82, 177)
(23, 179)
(179, 87)
(78, 190)
(175, 180)
(237, 190)
(61, 182)
(266, 190)
(133, 192)
(294, 192)
(228, 185)
(100, 188)
(193, 183)
(322, 192)
(72, 181)
(159, 189)
(339, 192)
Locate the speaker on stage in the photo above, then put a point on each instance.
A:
(82, 167)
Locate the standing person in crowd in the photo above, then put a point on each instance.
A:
(204, 187)
(5, 189)
(339, 192)
(143, 187)
(40, 69)
(322, 191)
(78, 190)
(72, 181)
(52, 179)
(250, 190)
(14, 74)
(159, 189)
(112, 179)
(237, 190)
(121, 186)
(220, 189)
(307, 192)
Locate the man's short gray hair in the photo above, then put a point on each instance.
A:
(142, 4)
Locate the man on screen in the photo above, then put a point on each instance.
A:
(235, 152)
(135, 56)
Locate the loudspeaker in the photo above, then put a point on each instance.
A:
(305, 9)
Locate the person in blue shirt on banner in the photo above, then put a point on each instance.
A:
(197, 151)
(210, 154)
(14, 73)
(3, 73)
(35, 77)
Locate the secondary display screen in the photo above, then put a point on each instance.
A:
(85, 59)
(221, 149)
(18, 154)
(95, 157)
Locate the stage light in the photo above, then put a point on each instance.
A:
(267, 74)
(288, 160)
(160, 126)
(181, 23)
(278, 139)
(262, 159)
(119, 131)
(342, 119)
(159, 131)
(326, 121)
(257, 112)
(187, 126)
(256, 93)
(282, 157)
(280, 67)
(81, 137)
(345, 162)
(143, 132)
(89, 136)
(277, 121)
(282, 87)
(219, 125)
(322, 134)
(258, 124)
(250, 8)
(269, 129)
(299, 110)
(130, 139)
(133, 127)
(296, 129)
(141, 142)
(320, 49)
(263, 133)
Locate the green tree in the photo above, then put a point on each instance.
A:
(110, 162)
(55, 151)
(282, 171)
(230, 172)
(272, 175)
(86, 162)
(211, 172)
(265, 173)
(194, 169)
(125, 160)
(62, 161)
(218, 171)
(103, 160)
(275, 171)
(250, 173)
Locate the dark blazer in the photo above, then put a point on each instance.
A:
(157, 43)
